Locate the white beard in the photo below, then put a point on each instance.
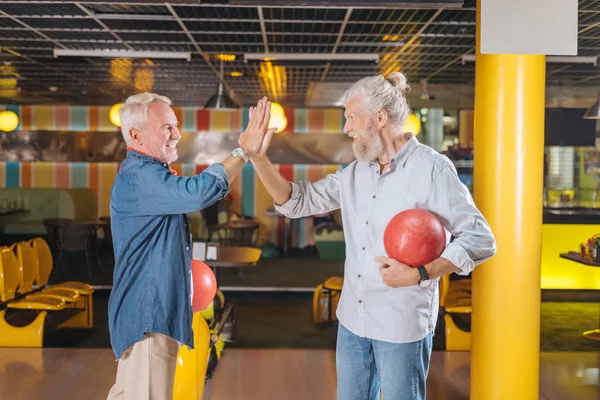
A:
(369, 144)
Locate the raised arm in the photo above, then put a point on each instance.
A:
(302, 199)
(159, 192)
(251, 139)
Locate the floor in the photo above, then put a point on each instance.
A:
(257, 374)
(280, 354)
(284, 320)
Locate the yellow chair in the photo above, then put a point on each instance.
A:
(190, 372)
(30, 335)
(455, 299)
(326, 299)
(28, 272)
(45, 264)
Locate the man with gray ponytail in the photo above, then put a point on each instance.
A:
(149, 310)
(388, 310)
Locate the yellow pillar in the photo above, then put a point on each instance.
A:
(508, 187)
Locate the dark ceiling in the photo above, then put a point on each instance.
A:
(426, 44)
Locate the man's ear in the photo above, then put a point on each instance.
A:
(136, 135)
(382, 118)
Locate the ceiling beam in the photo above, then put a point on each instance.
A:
(162, 17)
(588, 78)
(32, 29)
(338, 40)
(446, 66)
(311, 57)
(121, 41)
(102, 24)
(197, 47)
(388, 65)
(263, 28)
(60, 72)
(557, 70)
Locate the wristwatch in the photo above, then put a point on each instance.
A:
(424, 281)
(240, 153)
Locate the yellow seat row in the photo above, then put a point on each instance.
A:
(21, 266)
(326, 298)
(455, 299)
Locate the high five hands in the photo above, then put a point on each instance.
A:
(256, 139)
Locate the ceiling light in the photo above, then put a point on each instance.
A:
(226, 57)
(181, 55)
(9, 121)
(220, 100)
(391, 38)
(114, 116)
(237, 74)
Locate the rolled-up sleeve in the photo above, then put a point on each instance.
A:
(451, 201)
(310, 198)
(159, 192)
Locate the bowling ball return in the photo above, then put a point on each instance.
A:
(219, 316)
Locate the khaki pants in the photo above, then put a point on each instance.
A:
(146, 371)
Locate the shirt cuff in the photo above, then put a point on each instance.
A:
(218, 171)
(288, 207)
(459, 257)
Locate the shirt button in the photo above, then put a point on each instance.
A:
(360, 301)
(367, 222)
(374, 196)
(359, 275)
(187, 247)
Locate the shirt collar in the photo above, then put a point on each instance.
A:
(164, 164)
(405, 152)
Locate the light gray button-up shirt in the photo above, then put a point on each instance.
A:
(418, 177)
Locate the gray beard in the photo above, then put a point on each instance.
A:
(367, 149)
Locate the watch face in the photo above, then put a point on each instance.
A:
(424, 282)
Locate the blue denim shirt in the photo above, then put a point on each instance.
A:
(152, 243)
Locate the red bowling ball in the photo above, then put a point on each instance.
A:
(414, 237)
(205, 285)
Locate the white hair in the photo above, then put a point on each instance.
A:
(381, 93)
(134, 112)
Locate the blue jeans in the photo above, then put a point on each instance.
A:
(366, 366)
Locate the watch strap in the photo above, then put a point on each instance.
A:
(422, 273)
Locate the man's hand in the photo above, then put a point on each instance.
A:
(396, 274)
(253, 139)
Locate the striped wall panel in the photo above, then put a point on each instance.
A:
(95, 118)
(249, 197)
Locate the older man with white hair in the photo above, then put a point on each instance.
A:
(150, 313)
(388, 310)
